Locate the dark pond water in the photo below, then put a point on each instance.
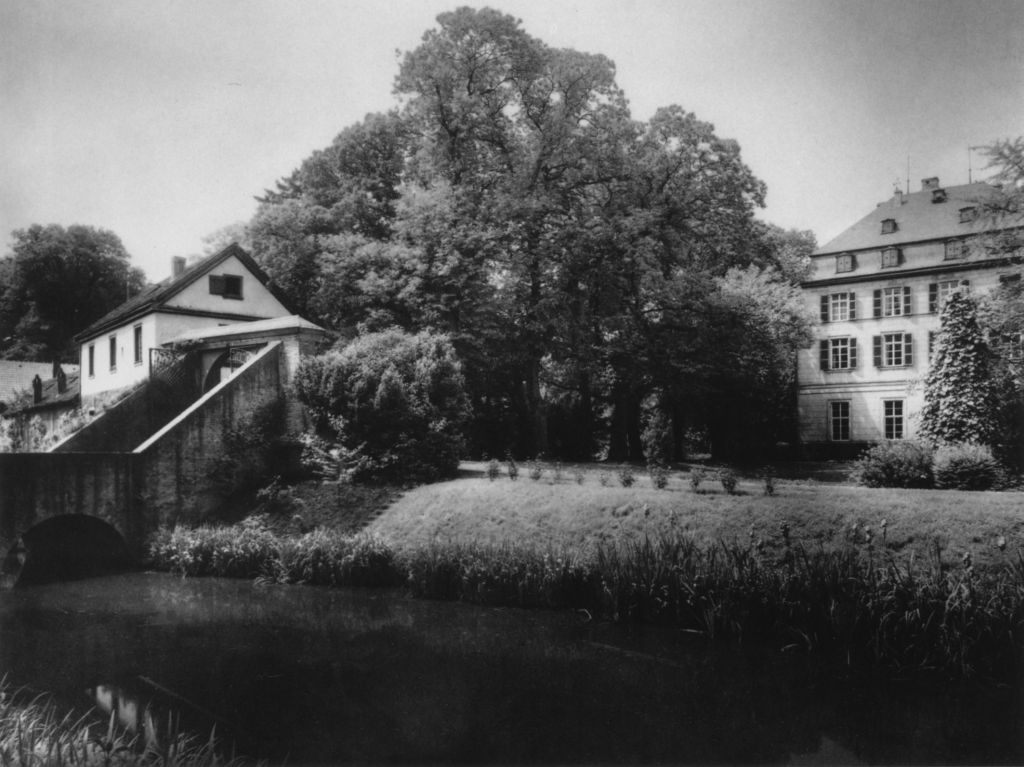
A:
(312, 675)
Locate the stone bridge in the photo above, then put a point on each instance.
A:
(85, 499)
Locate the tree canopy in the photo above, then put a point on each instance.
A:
(54, 283)
(582, 262)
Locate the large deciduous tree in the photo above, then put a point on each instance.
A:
(55, 282)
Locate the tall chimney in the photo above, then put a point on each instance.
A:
(62, 380)
(177, 266)
(37, 389)
(929, 183)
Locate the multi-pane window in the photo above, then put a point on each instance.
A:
(845, 263)
(227, 285)
(890, 258)
(112, 342)
(888, 225)
(137, 343)
(956, 249)
(839, 421)
(838, 307)
(893, 418)
(968, 214)
(893, 350)
(892, 302)
(939, 292)
(838, 353)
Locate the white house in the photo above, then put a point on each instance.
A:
(225, 288)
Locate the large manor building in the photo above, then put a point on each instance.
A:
(877, 290)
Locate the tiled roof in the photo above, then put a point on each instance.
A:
(155, 295)
(51, 397)
(917, 218)
(16, 377)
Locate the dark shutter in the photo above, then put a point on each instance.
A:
(906, 300)
(216, 284)
(824, 308)
(853, 306)
(933, 297)
(853, 352)
(876, 348)
(878, 303)
(823, 354)
(908, 349)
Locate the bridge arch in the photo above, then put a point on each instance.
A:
(66, 547)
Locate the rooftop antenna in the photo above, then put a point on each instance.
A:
(969, 150)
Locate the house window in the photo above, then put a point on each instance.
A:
(227, 285)
(1009, 279)
(92, 360)
(955, 250)
(888, 225)
(838, 353)
(838, 307)
(938, 195)
(892, 302)
(137, 343)
(839, 421)
(891, 257)
(939, 292)
(113, 352)
(968, 214)
(892, 350)
(893, 418)
(1013, 347)
(845, 263)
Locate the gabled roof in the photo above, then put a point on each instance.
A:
(154, 296)
(917, 218)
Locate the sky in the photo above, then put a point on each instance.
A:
(161, 120)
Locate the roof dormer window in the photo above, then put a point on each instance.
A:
(968, 215)
(845, 263)
(938, 195)
(891, 257)
(888, 225)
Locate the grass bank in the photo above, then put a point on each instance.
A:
(474, 510)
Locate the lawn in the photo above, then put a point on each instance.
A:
(560, 512)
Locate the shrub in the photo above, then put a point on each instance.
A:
(579, 475)
(513, 470)
(493, 469)
(697, 476)
(728, 479)
(626, 475)
(897, 463)
(396, 403)
(604, 479)
(769, 484)
(536, 470)
(659, 477)
(965, 467)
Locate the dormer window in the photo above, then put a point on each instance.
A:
(891, 257)
(845, 263)
(955, 250)
(968, 215)
(888, 225)
(938, 195)
(227, 285)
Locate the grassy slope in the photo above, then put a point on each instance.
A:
(539, 513)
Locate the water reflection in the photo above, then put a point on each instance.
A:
(317, 675)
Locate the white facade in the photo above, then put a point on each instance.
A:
(220, 290)
(877, 290)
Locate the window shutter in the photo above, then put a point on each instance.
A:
(878, 303)
(933, 297)
(876, 348)
(906, 300)
(853, 352)
(216, 284)
(853, 306)
(824, 308)
(823, 354)
(908, 349)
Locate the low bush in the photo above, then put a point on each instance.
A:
(626, 475)
(965, 467)
(728, 479)
(697, 476)
(895, 463)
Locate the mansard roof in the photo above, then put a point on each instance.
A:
(153, 297)
(934, 213)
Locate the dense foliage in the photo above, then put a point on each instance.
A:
(395, 402)
(965, 467)
(580, 261)
(57, 281)
(895, 463)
